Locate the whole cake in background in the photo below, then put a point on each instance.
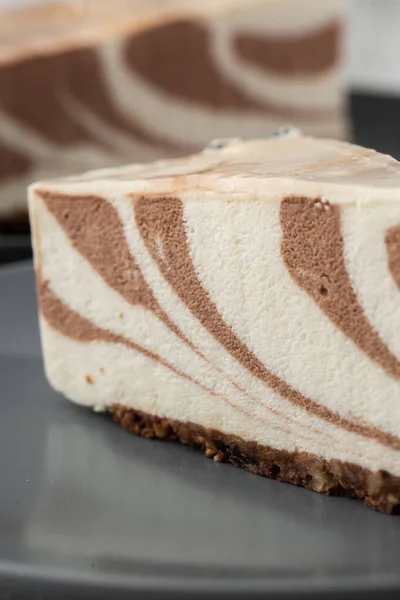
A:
(244, 300)
(91, 84)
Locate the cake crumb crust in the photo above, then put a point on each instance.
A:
(379, 490)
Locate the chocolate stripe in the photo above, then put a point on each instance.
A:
(161, 224)
(48, 81)
(308, 54)
(312, 250)
(156, 54)
(29, 92)
(70, 324)
(392, 240)
(87, 83)
(96, 232)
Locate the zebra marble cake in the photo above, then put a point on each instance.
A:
(244, 299)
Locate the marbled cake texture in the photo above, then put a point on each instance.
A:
(251, 290)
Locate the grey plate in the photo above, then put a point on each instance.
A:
(90, 511)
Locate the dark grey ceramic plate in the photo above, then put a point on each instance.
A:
(89, 511)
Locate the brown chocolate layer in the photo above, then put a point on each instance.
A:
(308, 54)
(312, 249)
(156, 54)
(379, 490)
(77, 75)
(170, 54)
(70, 324)
(392, 241)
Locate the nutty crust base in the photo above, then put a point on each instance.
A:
(379, 490)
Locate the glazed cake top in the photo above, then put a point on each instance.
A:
(288, 163)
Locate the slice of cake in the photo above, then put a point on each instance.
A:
(91, 84)
(245, 300)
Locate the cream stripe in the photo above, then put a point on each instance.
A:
(182, 122)
(283, 18)
(320, 92)
(123, 145)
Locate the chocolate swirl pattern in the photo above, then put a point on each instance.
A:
(234, 310)
(161, 224)
(131, 93)
(312, 248)
(93, 228)
(72, 325)
(103, 245)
